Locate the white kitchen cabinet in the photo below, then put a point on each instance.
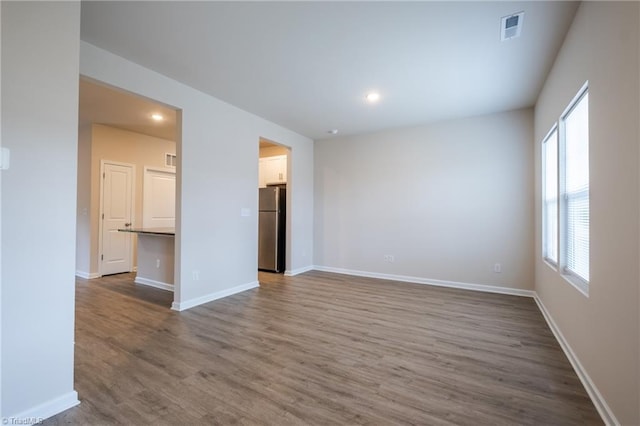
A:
(272, 170)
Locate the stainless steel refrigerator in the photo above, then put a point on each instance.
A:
(272, 227)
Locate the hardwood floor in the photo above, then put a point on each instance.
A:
(319, 348)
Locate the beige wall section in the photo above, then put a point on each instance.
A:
(272, 151)
(152, 249)
(109, 143)
(448, 201)
(602, 329)
(83, 220)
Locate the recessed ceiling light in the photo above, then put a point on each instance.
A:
(157, 117)
(373, 97)
(333, 131)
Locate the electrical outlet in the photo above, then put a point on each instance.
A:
(497, 268)
(389, 258)
(196, 275)
(157, 263)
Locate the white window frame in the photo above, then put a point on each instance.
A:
(574, 279)
(553, 132)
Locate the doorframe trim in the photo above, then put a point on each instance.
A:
(103, 163)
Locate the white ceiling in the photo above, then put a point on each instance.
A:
(308, 65)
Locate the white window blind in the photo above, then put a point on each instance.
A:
(550, 197)
(576, 189)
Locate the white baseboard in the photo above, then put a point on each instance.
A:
(153, 283)
(87, 275)
(596, 397)
(181, 306)
(428, 281)
(43, 411)
(298, 271)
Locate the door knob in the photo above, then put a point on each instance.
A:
(127, 225)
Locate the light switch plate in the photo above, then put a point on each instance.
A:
(245, 212)
(4, 158)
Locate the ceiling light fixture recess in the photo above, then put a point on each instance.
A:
(333, 131)
(157, 117)
(373, 97)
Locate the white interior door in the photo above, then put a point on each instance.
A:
(159, 199)
(117, 202)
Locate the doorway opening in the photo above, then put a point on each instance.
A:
(128, 166)
(274, 199)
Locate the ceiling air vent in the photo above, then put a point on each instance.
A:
(511, 26)
(170, 160)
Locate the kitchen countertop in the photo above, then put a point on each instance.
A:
(150, 231)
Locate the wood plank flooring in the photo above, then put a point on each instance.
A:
(319, 349)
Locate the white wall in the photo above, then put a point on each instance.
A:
(218, 172)
(602, 329)
(0, 215)
(447, 200)
(40, 126)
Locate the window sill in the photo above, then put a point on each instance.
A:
(579, 284)
(550, 264)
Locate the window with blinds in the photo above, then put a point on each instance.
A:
(565, 193)
(574, 169)
(550, 197)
